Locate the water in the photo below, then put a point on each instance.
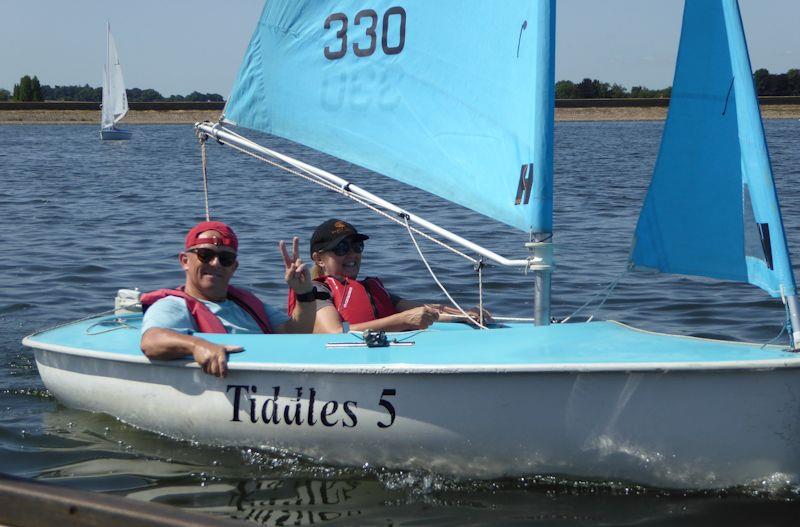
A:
(85, 218)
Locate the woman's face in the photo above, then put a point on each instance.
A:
(344, 260)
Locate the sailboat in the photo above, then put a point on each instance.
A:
(115, 100)
(456, 98)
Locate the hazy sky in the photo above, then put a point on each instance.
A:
(178, 46)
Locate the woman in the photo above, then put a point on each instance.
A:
(336, 250)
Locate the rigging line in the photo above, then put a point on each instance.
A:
(607, 290)
(433, 275)
(310, 176)
(784, 327)
(87, 317)
(203, 138)
(480, 292)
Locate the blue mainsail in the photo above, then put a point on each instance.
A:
(454, 97)
(711, 209)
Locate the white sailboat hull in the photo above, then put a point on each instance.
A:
(703, 428)
(115, 134)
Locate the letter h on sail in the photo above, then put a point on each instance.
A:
(525, 184)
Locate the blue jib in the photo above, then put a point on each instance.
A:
(711, 209)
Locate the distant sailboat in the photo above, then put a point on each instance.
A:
(115, 101)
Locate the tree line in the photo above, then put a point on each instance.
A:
(767, 84)
(595, 89)
(777, 83)
(30, 89)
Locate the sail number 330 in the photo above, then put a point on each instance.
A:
(394, 24)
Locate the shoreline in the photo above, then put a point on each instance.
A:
(92, 117)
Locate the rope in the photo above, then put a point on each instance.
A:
(784, 327)
(479, 265)
(203, 138)
(87, 317)
(433, 275)
(606, 292)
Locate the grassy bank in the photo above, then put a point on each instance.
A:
(772, 111)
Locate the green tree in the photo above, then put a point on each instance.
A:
(761, 80)
(4, 94)
(793, 81)
(22, 91)
(585, 89)
(565, 90)
(617, 92)
(36, 89)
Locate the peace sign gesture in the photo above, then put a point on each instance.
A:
(297, 275)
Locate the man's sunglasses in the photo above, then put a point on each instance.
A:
(345, 246)
(226, 258)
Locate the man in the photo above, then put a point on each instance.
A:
(207, 302)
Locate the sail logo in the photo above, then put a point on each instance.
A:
(389, 45)
(525, 185)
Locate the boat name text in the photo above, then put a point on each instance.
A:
(298, 411)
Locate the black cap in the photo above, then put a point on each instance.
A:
(330, 233)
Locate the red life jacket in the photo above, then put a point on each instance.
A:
(207, 322)
(356, 300)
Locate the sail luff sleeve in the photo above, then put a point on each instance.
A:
(773, 272)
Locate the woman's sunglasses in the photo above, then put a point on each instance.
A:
(226, 258)
(345, 246)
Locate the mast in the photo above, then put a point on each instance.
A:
(794, 321)
(540, 244)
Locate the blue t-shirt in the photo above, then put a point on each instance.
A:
(171, 313)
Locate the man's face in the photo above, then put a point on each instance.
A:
(206, 276)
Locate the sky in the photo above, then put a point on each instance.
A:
(180, 46)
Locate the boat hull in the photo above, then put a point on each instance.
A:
(701, 428)
(115, 134)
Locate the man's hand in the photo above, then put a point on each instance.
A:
(213, 358)
(297, 275)
(165, 344)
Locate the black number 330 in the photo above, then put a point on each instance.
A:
(367, 20)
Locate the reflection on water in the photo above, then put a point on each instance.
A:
(96, 452)
(94, 218)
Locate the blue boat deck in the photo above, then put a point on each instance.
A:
(516, 347)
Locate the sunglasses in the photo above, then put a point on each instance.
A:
(345, 246)
(226, 258)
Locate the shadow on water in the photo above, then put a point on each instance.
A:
(96, 219)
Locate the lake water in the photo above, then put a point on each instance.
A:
(85, 218)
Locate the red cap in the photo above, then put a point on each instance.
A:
(226, 238)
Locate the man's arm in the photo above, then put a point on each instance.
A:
(161, 343)
(165, 344)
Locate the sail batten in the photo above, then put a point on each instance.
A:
(453, 97)
(711, 209)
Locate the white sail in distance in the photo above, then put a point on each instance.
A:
(115, 100)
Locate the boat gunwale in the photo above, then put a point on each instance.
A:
(399, 368)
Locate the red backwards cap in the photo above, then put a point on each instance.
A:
(226, 238)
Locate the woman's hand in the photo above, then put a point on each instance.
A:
(451, 314)
(475, 315)
(420, 317)
(297, 275)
